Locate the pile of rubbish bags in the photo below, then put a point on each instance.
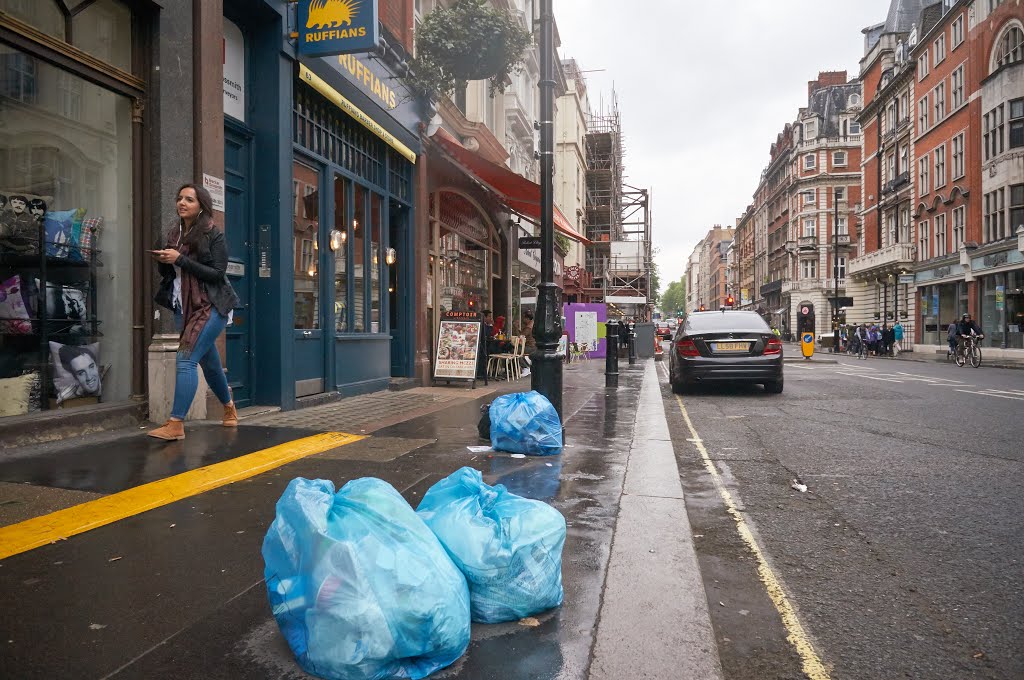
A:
(365, 588)
(527, 423)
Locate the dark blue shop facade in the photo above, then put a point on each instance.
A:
(320, 202)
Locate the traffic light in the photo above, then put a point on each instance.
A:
(730, 301)
(702, 309)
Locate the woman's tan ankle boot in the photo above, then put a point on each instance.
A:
(230, 415)
(171, 431)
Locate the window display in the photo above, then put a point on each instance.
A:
(65, 173)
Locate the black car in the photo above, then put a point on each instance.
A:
(725, 346)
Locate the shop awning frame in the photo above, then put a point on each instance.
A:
(516, 192)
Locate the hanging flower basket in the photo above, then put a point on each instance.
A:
(467, 41)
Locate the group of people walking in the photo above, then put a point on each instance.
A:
(884, 340)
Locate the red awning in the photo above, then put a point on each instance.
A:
(520, 194)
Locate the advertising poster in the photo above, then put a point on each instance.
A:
(458, 345)
(586, 328)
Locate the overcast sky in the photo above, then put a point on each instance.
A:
(704, 88)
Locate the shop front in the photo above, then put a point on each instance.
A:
(1000, 287)
(73, 315)
(942, 296)
(351, 221)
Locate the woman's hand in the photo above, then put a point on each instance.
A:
(167, 255)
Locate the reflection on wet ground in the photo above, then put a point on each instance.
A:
(114, 465)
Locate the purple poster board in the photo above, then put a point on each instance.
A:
(586, 323)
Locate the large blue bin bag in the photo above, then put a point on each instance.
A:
(509, 547)
(525, 422)
(360, 586)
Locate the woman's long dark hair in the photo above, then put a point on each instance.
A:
(198, 238)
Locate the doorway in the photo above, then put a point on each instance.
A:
(238, 231)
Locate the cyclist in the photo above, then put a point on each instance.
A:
(966, 327)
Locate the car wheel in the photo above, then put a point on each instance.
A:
(774, 387)
(678, 387)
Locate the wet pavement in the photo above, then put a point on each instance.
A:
(177, 591)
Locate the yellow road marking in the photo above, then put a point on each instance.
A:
(40, 531)
(812, 664)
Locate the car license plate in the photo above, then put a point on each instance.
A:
(732, 346)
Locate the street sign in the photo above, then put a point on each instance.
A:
(907, 278)
(805, 310)
(529, 243)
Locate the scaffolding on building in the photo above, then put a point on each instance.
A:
(618, 218)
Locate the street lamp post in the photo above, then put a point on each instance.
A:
(547, 361)
(835, 271)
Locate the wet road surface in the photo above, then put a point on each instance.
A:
(904, 557)
(178, 591)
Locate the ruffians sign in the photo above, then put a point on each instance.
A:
(328, 27)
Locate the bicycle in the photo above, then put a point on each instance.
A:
(968, 350)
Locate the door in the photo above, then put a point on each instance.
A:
(238, 231)
(309, 310)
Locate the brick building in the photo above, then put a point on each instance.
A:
(943, 180)
(824, 188)
(713, 279)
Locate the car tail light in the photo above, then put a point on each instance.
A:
(686, 348)
(774, 346)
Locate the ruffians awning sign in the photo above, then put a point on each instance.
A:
(329, 27)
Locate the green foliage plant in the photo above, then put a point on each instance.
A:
(468, 41)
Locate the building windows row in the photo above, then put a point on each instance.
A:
(939, 49)
(1002, 221)
(994, 138)
(957, 31)
(1009, 48)
(958, 156)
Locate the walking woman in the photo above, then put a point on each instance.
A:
(193, 264)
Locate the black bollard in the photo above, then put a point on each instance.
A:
(632, 344)
(611, 360)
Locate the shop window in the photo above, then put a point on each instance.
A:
(359, 260)
(65, 236)
(19, 76)
(101, 28)
(376, 263)
(305, 231)
(339, 245)
(43, 15)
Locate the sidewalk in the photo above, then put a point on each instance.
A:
(634, 603)
(792, 349)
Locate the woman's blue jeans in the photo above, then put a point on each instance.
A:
(203, 354)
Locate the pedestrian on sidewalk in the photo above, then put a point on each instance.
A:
(951, 339)
(897, 334)
(195, 287)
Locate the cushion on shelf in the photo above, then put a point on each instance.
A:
(15, 394)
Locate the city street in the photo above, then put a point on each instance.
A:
(903, 558)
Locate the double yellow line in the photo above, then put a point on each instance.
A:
(40, 531)
(812, 665)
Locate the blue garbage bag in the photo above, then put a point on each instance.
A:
(509, 547)
(525, 422)
(360, 587)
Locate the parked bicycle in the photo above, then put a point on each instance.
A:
(969, 350)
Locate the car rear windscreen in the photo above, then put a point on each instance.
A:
(711, 322)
